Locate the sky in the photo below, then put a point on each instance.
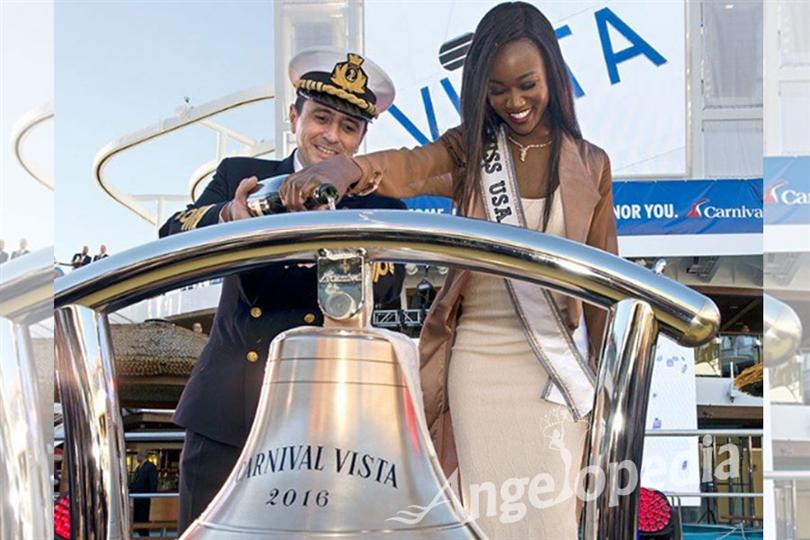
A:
(122, 66)
(26, 83)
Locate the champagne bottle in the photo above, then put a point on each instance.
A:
(266, 200)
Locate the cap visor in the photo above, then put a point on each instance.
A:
(336, 103)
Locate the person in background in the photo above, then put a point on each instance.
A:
(425, 294)
(745, 348)
(144, 481)
(3, 253)
(23, 249)
(102, 253)
(81, 259)
(338, 94)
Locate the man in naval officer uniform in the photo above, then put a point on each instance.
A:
(338, 94)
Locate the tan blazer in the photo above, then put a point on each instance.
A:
(585, 187)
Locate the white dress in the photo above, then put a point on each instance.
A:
(519, 454)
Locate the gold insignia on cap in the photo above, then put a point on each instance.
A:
(349, 75)
(317, 86)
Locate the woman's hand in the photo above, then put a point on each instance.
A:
(340, 171)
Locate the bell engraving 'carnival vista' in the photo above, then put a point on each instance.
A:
(339, 447)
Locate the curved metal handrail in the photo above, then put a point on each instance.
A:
(206, 169)
(20, 132)
(572, 268)
(186, 118)
(26, 287)
(639, 302)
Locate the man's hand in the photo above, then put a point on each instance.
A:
(340, 171)
(237, 207)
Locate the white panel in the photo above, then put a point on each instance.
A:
(732, 148)
(671, 463)
(790, 423)
(794, 39)
(794, 116)
(716, 391)
(687, 245)
(787, 238)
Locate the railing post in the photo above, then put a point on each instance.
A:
(616, 441)
(94, 441)
(26, 504)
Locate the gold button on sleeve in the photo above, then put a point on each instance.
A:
(252, 356)
(255, 312)
(309, 318)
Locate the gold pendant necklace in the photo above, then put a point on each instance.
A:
(524, 149)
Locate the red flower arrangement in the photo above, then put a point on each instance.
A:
(61, 518)
(654, 512)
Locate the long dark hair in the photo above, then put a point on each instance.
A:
(503, 24)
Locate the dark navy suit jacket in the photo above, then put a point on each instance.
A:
(221, 396)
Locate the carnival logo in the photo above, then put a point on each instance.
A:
(696, 210)
(772, 195)
(791, 197)
(703, 209)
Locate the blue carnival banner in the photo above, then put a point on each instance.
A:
(660, 207)
(434, 205)
(787, 190)
(723, 206)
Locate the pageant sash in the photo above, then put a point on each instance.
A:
(571, 381)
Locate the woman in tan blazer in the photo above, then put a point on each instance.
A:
(482, 357)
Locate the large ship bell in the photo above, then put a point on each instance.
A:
(339, 447)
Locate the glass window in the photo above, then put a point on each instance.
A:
(707, 359)
(790, 382)
(728, 353)
(732, 54)
(805, 377)
(794, 116)
(732, 148)
(315, 34)
(739, 352)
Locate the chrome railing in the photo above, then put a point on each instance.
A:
(640, 302)
(175, 436)
(186, 116)
(782, 338)
(26, 507)
(745, 471)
